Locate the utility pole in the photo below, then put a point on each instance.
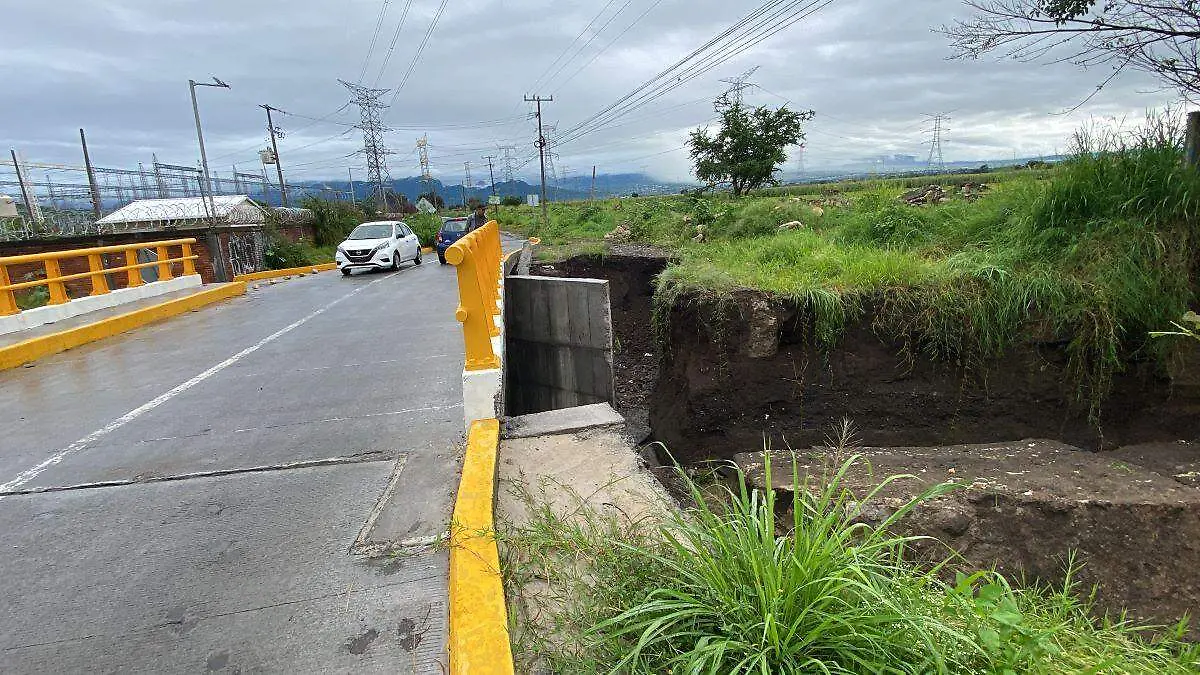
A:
(491, 171)
(468, 174)
(210, 205)
(275, 132)
(31, 205)
(265, 183)
(740, 83)
(1193, 139)
(91, 173)
(158, 179)
(541, 144)
(592, 196)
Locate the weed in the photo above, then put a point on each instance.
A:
(736, 588)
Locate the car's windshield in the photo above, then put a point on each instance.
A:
(456, 225)
(371, 231)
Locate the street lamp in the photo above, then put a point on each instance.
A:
(207, 199)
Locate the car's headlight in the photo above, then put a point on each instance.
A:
(379, 248)
(341, 250)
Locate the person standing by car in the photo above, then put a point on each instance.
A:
(477, 219)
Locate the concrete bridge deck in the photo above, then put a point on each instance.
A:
(213, 493)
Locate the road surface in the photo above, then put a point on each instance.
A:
(217, 493)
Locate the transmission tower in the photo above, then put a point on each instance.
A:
(939, 126)
(739, 84)
(509, 162)
(423, 151)
(369, 104)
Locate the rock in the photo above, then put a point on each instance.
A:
(792, 225)
(699, 238)
(818, 211)
(621, 233)
(930, 194)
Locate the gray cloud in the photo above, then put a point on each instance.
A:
(870, 68)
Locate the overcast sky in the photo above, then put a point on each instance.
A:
(871, 69)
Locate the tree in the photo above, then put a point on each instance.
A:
(1154, 36)
(749, 146)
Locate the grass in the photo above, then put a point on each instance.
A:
(730, 587)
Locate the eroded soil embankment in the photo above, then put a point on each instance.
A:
(727, 373)
(734, 371)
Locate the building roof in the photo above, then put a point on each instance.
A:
(236, 209)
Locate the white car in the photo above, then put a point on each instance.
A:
(378, 245)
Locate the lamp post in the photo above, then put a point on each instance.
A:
(212, 240)
(207, 198)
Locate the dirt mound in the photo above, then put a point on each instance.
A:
(741, 370)
(1025, 507)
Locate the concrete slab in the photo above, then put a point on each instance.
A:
(250, 571)
(118, 299)
(564, 421)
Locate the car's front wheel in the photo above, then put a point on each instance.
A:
(345, 271)
(395, 261)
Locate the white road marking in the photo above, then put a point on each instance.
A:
(35, 471)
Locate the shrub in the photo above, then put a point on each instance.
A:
(512, 200)
(333, 219)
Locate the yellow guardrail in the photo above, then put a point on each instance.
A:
(55, 280)
(477, 259)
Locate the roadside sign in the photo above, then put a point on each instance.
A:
(425, 207)
(531, 200)
(494, 200)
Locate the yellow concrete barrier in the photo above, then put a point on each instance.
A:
(476, 257)
(35, 348)
(479, 642)
(289, 272)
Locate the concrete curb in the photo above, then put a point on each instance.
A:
(35, 348)
(291, 271)
(479, 642)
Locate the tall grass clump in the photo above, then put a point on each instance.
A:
(743, 584)
(333, 219)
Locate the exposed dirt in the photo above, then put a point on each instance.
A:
(630, 271)
(726, 377)
(1025, 507)
(737, 372)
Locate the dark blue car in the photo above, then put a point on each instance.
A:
(451, 231)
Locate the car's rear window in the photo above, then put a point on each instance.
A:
(456, 225)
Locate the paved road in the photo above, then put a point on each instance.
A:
(214, 493)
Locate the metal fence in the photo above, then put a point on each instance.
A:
(58, 200)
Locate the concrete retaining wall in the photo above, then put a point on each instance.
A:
(559, 344)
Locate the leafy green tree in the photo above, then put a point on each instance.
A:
(1153, 36)
(748, 147)
(511, 200)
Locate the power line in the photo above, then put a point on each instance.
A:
(610, 43)
(591, 39)
(564, 52)
(374, 38)
(420, 50)
(760, 24)
(392, 47)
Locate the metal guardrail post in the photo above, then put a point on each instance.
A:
(164, 263)
(189, 265)
(99, 281)
(8, 299)
(133, 273)
(58, 291)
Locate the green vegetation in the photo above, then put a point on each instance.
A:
(1096, 252)
(731, 587)
(281, 253)
(334, 219)
(30, 298)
